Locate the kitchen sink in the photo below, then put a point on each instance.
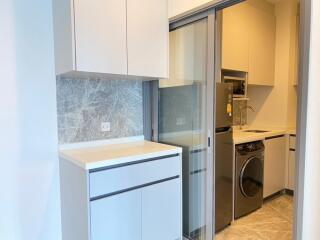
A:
(256, 131)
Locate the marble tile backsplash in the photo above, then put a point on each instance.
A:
(83, 104)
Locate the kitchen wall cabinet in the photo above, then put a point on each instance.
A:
(274, 165)
(118, 202)
(235, 38)
(248, 41)
(111, 37)
(148, 42)
(262, 37)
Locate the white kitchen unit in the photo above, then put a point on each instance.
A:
(122, 191)
(235, 38)
(292, 162)
(111, 37)
(148, 39)
(248, 32)
(274, 165)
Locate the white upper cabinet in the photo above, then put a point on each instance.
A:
(235, 37)
(261, 46)
(248, 40)
(112, 37)
(100, 36)
(148, 38)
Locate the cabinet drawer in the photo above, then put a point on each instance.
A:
(112, 180)
(292, 142)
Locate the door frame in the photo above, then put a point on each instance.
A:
(304, 35)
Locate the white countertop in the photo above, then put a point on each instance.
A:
(239, 136)
(112, 154)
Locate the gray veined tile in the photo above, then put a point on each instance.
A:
(84, 104)
(272, 222)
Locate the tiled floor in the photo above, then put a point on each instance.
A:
(272, 222)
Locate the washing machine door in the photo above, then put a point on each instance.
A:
(251, 177)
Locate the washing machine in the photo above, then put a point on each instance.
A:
(248, 195)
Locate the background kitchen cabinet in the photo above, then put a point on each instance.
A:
(292, 163)
(292, 170)
(148, 38)
(274, 165)
(248, 41)
(112, 37)
(235, 38)
(262, 27)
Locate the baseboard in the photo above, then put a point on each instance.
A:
(277, 194)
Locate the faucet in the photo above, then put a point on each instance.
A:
(241, 114)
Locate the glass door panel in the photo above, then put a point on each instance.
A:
(183, 119)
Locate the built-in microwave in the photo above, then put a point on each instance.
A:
(238, 81)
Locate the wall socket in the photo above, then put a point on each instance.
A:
(105, 127)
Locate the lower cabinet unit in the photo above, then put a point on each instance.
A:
(140, 200)
(161, 211)
(116, 217)
(292, 163)
(292, 170)
(274, 165)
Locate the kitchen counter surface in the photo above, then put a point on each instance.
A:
(239, 136)
(114, 154)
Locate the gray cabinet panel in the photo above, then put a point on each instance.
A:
(117, 217)
(161, 211)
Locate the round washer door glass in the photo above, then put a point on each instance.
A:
(251, 177)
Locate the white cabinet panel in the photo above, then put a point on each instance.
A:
(117, 217)
(161, 211)
(292, 170)
(235, 38)
(112, 180)
(292, 142)
(274, 166)
(262, 43)
(100, 35)
(148, 38)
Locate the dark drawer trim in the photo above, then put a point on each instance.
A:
(132, 163)
(273, 137)
(292, 149)
(133, 188)
(293, 135)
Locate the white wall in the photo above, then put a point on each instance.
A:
(311, 206)
(29, 202)
(276, 106)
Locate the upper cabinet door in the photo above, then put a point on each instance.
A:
(148, 38)
(100, 36)
(262, 47)
(235, 38)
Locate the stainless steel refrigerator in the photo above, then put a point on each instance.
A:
(223, 156)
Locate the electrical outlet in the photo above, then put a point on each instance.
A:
(105, 127)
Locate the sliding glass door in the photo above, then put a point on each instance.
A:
(184, 109)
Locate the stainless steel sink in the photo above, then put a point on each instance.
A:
(256, 131)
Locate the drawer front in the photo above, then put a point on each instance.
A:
(113, 180)
(292, 142)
